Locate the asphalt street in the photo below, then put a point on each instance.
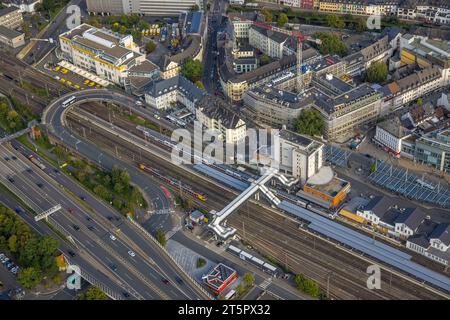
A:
(138, 272)
(53, 117)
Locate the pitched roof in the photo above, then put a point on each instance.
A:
(378, 205)
(442, 232)
(411, 217)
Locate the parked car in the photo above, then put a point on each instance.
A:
(112, 237)
(76, 227)
(131, 253)
(71, 253)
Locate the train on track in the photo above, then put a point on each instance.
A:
(175, 182)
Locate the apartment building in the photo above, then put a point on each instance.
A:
(411, 87)
(164, 94)
(267, 41)
(359, 7)
(111, 56)
(11, 38)
(11, 17)
(426, 52)
(215, 113)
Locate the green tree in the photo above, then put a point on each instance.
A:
(29, 277)
(331, 44)
(360, 25)
(192, 69)
(419, 102)
(60, 152)
(282, 19)
(377, 72)
(150, 47)
(264, 59)
(26, 28)
(194, 8)
(334, 21)
(249, 279)
(118, 188)
(93, 293)
(101, 191)
(161, 237)
(124, 177)
(306, 285)
(310, 122)
(200, 85)
(95, 22)
(12, 243)
(267, 15)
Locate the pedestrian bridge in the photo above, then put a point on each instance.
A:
(259, 185)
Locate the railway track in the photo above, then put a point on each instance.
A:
(348, 280)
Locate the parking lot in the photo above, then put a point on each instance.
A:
(50, 67)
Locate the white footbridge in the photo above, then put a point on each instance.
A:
(218, 225)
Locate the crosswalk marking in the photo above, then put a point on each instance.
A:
(266, 283)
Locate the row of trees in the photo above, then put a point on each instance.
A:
(35, 254)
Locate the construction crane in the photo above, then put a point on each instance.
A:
(300, 39)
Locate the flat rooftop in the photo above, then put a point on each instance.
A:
(332, 188)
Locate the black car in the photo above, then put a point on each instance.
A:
(6, 158)
(76, 227)
(71, 253)
(40, 185)
(91, 228)
(126, 294)
(29, 170)
(14, 157)
(113, 267)
(88, 218)
(11, 179)
(83, 198)
(110, 218)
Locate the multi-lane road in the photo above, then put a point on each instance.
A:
(87, 224)
(356, 289)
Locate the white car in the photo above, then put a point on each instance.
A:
(131, 253)
(139, 103)
(112, 237)
(157, 117)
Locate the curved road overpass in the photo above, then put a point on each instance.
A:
(54, 118)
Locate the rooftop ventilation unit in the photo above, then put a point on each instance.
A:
(329, 76)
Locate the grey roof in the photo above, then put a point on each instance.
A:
(215, 108)
(9, 33)
(330, 104)
(411, 217)
(390, 216)
(394, 127)
(378, 205)
(442, 232)
(273, 35)
(296, 138)
(196, 214)
(7, 10)
(420, 240)
(179, 82)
